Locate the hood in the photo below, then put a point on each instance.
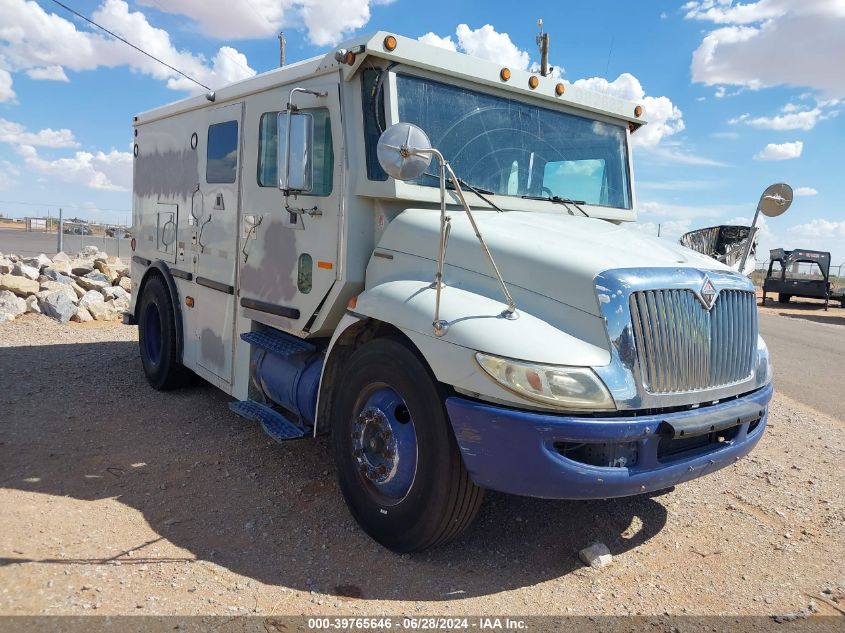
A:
(553, 254)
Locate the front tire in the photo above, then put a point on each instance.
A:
(399, 467)
(157, 338)
(782, 298)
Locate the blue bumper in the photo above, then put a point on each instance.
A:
(522, 452)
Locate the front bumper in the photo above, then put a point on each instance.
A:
(520, 452)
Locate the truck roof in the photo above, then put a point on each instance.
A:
(414, 53)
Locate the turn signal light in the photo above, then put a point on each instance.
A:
(533, 82)
(505, 74)
(389, 43)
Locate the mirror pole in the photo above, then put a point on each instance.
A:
(439, 325)
(749, 239)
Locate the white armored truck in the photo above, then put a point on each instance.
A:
(426, 256)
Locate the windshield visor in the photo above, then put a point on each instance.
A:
(515, 149)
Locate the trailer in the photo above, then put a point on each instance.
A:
(725, 243)
(427, 256)
(785, 277)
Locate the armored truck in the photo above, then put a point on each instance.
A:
(430, 258)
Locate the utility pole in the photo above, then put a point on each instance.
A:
(543, 45)
(281, 49)
(60, 238)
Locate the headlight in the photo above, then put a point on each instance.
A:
(564, 387)
(765, 372)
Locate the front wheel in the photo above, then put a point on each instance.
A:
(782, 298)
(399, 467)
(157, 338)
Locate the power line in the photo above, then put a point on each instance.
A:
(128, 43)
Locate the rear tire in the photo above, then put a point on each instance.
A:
(399, 467)
(782, 298)
(157, 338)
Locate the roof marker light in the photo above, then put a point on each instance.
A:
(560, 89)
(533, 82)
(390, 43)
(505, 74)
(638, 111)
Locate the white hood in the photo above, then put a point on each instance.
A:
(552, 254)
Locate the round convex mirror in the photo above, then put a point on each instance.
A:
(775, 199)
(403, 151)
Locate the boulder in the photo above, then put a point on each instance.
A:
(58, 306)
(82, 315)
(38, 262)
(104, 268)
(93, 281)
(115, 292)
(54, 274)
(81, 266)
(6, 266)
(13, 257)
(596, 555)
(61, 256)
(79, 290)
(21, 286)
(90, 297)
(32, 304)
(11, 306)
(105, 311)
(100, 257)
(23, 270)
(88, 252)
(121, 304)
(125, 283)
(54, 286)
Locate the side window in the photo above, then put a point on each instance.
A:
(222, 156)
(323, 159)
(372, 127)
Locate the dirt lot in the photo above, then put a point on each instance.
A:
(800, 308)
(116, 499)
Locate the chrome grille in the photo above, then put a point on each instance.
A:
(684, 347)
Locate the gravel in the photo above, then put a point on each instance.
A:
(116, 499)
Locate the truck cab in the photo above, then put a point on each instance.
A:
(489, 321)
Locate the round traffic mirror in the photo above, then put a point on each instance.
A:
(403, 151)
(775, 200)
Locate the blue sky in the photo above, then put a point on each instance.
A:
(739, 95)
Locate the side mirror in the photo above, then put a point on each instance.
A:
(295, 146)
(404, 151)
(775, 200)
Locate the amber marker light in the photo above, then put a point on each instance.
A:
(352, 303)
(505, 74)
(189, 301)
(560, 89)
(325, 265)
(638, 111)
(390, 43)
(349, 58)
(533, 82)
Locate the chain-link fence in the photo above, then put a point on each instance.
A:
(75, 235)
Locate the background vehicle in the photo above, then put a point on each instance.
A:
(725, 243)
(789, 278)
(465, 316)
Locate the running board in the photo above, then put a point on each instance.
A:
(274, 423)
(283, 345)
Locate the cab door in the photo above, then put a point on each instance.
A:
(215, 240)
(289, 259)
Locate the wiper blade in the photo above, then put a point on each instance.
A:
(481, 193)
(564, 201)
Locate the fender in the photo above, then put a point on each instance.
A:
(164, 270)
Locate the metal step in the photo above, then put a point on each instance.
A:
(274, 423)
(280, 344)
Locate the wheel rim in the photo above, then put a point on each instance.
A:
(152, 333)
(384, 443)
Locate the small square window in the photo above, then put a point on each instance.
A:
(222, 157)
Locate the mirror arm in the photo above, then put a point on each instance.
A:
(750, 239)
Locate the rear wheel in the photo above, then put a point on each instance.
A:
(782, 298)
(157, 338)
(399, 467)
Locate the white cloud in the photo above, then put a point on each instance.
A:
(6, 92)
(771, 42)
(725, 135)
(8, 172)
(484, 42)
(33, 40)
(676, 185)
(679, 211)
(15, 133)
(780, 151)
(673, 153)
(664, 118)
(48, 73)
(804, 191)
(107, 171)
(791, 119)
(670, 230)
(326, 21)
(820, 228)
(441, 42)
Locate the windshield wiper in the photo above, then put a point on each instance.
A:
(481, 193)
(564, 201)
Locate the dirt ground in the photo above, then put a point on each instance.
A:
(116, 499)
(810, 309)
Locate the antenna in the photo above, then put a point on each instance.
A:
(543, 45)
(281, 49)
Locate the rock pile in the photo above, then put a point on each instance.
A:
(92, 285)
